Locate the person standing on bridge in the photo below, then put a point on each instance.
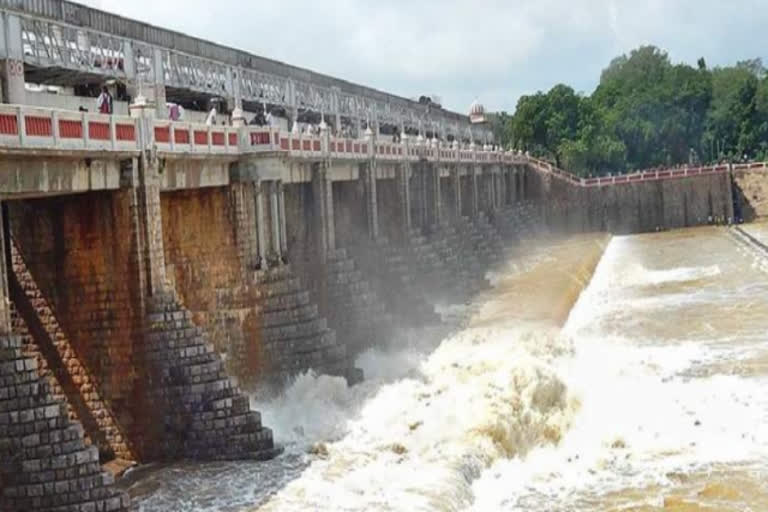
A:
(104, 101)
(211, 119)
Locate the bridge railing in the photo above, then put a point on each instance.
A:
(29, 128)
(175, 137)
(25, 127)
(640, 176)
(350, 149)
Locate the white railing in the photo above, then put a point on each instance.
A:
(640, 176)
(195, 138)
(33, 128)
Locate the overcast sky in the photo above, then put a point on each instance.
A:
(493, 50)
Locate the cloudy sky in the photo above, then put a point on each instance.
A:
(494, 50)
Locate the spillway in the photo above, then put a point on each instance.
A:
(623, 373)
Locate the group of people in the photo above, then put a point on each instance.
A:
(105, 105)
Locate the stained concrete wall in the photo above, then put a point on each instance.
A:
(390, 214)
(751, 191)
(300, 222)
(632, 207)
(203, 261)
(350, 214)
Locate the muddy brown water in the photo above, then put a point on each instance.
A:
(615, 374)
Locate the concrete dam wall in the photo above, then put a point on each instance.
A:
(139, 313)
(635, 206)
(156, 273)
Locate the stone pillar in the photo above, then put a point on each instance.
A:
(436, 199)
(498, 180)
(238, 118)
(261, 232)
(13, 63)
(512, 186)
(158, 87)
(456, 178)
(423, 183)
(274, 205)
(368, 172)
(325, 229)
(729, 212)
(244, 208)
(490, 190)
(146, 203)
(494, 190)
(331, 219)
(475, 192)
(281, 218)
(233, 79)
(403, 174)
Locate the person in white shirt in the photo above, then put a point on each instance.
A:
(211, 119)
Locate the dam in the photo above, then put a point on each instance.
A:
(363, 302)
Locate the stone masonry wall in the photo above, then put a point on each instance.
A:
(45, 464)
(79, 276)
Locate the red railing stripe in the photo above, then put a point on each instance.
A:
(163, 134)
(98, 130)
(201, 137)
(9, 124)
(69, 129)
(218, 139)
(37, 126)
(181, 136)
(259, 138)
(125, 132)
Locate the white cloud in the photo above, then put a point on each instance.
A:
(461, 49)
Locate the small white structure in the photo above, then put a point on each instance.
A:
(476, 113)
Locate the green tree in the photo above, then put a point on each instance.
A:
(646, 111)
(732, 118)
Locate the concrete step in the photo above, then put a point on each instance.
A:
(290, 316)
(290, 347)
(286, 301)
(284, 287)
(300, 329)
(273, 274)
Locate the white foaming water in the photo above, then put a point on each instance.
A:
(641, 420)
(638, 275)
(419, 442)
(316, 408)
(525, 417)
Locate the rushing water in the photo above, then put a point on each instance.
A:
(645, 392)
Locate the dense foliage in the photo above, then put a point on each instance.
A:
(646, 112)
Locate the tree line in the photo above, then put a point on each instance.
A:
(646, 112)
